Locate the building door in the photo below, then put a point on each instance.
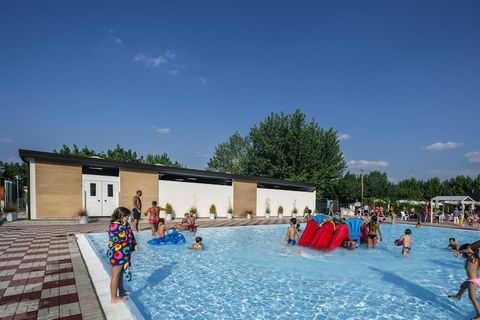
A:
(101, 197)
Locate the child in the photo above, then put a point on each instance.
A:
(162, 228)
(373, 228)
(298, 227)
(406, 239)
(470, 254)
(292, 232)
(350, 244)
(198, 244)
(418, 226)
(308, 217)
(121, 245)
(154, 212)
(452, 245)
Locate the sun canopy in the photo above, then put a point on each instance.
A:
(458, 200)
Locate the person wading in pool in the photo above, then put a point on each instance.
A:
(373, 229)
(472, 263)
(137, 209)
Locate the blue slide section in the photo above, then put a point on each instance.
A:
(319, 218)
(172, 238)
(354, 228)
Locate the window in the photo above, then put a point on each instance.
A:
(93, 189)
(110, 190)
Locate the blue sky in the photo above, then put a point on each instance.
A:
(398, 79)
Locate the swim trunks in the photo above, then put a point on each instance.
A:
(408, 248)
(292, 242)
(136, 214)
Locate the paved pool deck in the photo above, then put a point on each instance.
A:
(43, 274)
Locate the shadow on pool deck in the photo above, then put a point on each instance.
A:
(420, 292)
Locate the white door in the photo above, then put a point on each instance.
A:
(109, 197)
(93, 197)
(101, 197)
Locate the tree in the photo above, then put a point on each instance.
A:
(348, 188)
(288, 147)
(377, 185)
(163, 159)
(230, 156)
(13, 169)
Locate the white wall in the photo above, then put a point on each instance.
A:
(183, 195)
(285, 198)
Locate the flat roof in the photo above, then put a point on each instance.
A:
(27, 155)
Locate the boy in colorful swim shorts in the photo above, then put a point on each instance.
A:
(121, 244)
(406, 239)
(292, 232)
(470, 254)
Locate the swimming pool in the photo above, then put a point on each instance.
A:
(249, 273)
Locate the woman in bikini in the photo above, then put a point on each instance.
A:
(184, 224)
(373, 228)
(153, 219)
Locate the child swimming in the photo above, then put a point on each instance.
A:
(350, 244)
(162, 228)
(373, 228)
(406, 240)
(470, 254)
(452, 245)
(292, 232)
(198, 244)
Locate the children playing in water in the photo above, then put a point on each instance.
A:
(406, 240)
(373, 228)
(153, 219)
(197, 245)
(162, 228)
(470, 254)
(350, 244)
(308, 217)
(292, 233)
(452, 245)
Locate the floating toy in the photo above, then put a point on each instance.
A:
(398, 242)
(172, 238)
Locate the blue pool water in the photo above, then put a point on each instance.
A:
(249, 273)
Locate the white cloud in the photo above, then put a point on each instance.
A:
(13, 159)
(443, 146)
(157, 60)
(163, 130)
(174, 72)
(473, 157)
(112, 35)
(367, 164)
(202, 81)
(343, 136)
(5, 140)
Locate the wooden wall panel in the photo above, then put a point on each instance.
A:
(244, 197)
(132, 180)
(58, 190)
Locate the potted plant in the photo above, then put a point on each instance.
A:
(11, 212)
(267, 209)
(230, 213)
(249, 214)
(83, 216)
(193, 210)
(213, 212)
(168, 211)
(280, 212)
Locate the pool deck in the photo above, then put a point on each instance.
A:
(43, 274)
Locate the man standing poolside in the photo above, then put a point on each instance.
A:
(137, 209)
(456, 214)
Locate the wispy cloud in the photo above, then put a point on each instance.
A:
(367, 164)
(473, 157)
(343, 136)
(156, 60)
(202, 81)
(443, 146)
(13, 159)
(163, 130)
(112, 35)
(5, 140)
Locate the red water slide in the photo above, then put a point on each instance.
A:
(323, 236)
(341, 233)
(308, 233)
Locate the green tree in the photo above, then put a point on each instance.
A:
(121, 154)
(230, 156)
(288, 147)
(377, 185)
(348, 188)
(13, 169)
(163, 159)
